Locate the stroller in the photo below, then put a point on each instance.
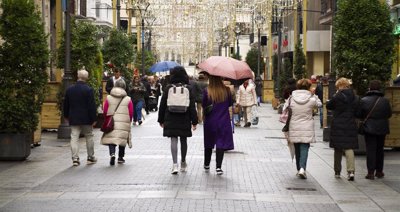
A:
(153, 100)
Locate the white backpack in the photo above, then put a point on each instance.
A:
(178, 98)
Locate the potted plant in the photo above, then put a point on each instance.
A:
(24, 58)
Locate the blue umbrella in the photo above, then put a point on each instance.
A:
(163, 66)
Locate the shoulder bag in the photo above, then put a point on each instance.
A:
(361, 124)
(108, 124)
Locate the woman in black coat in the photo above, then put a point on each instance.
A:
(376, 127)
(178, 124)
(344, 134)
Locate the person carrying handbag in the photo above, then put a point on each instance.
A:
(376, 127)
(120, 106)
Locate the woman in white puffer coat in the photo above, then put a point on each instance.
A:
(301, 127)
(122, 115)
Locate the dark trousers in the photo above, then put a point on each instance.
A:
(121, 150)
(207, 156)
(374, 144)
(146, 102)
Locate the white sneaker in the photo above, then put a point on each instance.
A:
(302, 174)
(219, 171)
(174, 169)
(183, 166)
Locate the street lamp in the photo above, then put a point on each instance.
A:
(259, 21)
(142, 6)
(64, 131)
(237, 33)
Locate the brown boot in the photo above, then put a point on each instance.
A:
(370, 175)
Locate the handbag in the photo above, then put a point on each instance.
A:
(288, 110)
(108, 124)
(361, 124)
(208, 109)
(285, 114)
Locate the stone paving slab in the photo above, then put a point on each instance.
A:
(258, 176)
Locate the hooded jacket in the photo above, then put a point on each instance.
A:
(301, 127)
(122, 118)
(344, 133)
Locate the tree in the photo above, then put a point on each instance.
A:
(251, 60)
(236, 56)
(85, 53)
(24, 57)
(149, 60)
(363, 44)
(118, 50)
(299, 62)
(287, 73)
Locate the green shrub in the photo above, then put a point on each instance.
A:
(24, 58)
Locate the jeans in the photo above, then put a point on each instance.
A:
(337, 164)
(87, 131)
(137, 115)
(375, 156)
(301, 152)
(121, 150)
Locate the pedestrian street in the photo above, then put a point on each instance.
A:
(259, 175)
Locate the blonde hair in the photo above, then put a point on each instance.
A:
(304, 84)
(342, 83)
(217, 91)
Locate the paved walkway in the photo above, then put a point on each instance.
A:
(259, 176)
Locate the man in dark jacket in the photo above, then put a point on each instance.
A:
(147, 93)
(259, 85)
(112, 80)
(80, 112)
(319, 91)
(375, 111)
(198, 90)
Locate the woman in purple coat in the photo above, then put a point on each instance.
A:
(217, 122)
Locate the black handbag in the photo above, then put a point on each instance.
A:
(361, 123)
(208, 109)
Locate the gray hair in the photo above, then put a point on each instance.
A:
(120, 83)
(83, 75)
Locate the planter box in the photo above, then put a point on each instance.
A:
(15, 146)
(393, 139)
(50, 116)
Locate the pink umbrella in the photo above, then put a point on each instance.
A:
(226, 67)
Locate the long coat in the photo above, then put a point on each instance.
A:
(378, 121)
(177, 124)
(344, 134)
(301, 127)
(217, 124)
(79, 104)
(122, 118)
